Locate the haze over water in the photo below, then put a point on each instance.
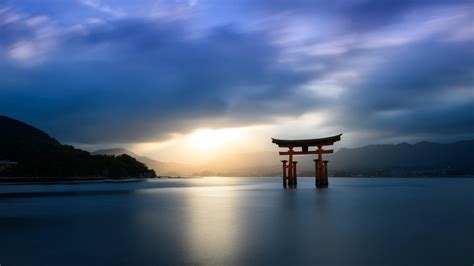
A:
(240, 221)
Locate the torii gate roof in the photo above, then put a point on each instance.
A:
(307, 142)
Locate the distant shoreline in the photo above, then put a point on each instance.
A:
(76, 180)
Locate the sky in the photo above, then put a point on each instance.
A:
(186, 80)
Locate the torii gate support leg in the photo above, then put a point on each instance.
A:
(325, 176)
(318, 164)
(285, 176)
(295, 177)
(291, 180)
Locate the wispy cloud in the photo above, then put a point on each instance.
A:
(26, 39)
(96, 4)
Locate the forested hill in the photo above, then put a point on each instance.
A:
(39, 155)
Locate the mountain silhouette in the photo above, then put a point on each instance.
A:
(161, 168)
(40, 155)
(422, 155)
(420, 159)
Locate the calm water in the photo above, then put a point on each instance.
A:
(232, 221)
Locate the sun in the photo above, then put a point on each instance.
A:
(213, 138)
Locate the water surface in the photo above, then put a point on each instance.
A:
(240, 221)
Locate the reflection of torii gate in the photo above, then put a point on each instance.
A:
(289, 170)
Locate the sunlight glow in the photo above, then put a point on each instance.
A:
(209, 138)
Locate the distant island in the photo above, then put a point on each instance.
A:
(28, 154)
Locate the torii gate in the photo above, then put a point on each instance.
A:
(321, 166)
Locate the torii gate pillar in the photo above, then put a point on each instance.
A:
(285, 176)
(321, 173)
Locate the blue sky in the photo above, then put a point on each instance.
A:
(107, 73)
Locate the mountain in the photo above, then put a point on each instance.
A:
(420, 155)
(445, 159)
(161, 168)
(40, 155)
(420, 159)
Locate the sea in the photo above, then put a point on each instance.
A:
(240, 221)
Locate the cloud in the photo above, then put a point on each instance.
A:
(422, 91)
(95, 4)
(354, 15)
(407, 73)
(25, 39)
(417, 74)
(149, 76)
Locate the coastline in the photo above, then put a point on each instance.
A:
(78, 180)
(73, 180)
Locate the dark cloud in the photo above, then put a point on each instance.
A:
(133, 80)
(415, 75)
(369, 14)
(155, 79)
(354, 15)
(424, 122)
(424, 89)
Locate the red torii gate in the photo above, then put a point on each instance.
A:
(321, 166)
